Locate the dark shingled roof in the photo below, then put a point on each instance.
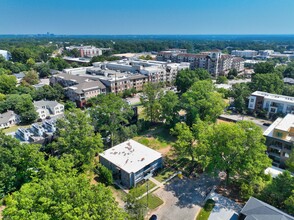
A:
(255, 209)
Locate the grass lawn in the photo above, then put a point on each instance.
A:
(155, 138)
(140, 189)
(164, 174)
(117, 191)
(153, 201)
(205, 211)
(14, 128)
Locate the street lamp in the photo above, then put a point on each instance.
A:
(147, 177)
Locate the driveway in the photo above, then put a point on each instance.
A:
(183, 197)
(224, 209)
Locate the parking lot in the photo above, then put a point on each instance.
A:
(183, 197)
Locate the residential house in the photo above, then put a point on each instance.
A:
(255, 209)
(19, 77)
(8, 119)
(130, 162)
(48, 108)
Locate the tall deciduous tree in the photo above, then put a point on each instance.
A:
(201, 101)
(18, 162)
(31, 77)
(264, 68)
(76, 136)
(185, 146)
(237, 149)
(240, 92)
(186, 78)
(7, 83)
(109, 114)
(170, 107)
(280, 192)
(150, 100)
(63, 196)
(270, 82)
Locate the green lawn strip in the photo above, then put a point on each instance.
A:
(206, 210)
(164, 174)
(140, 189)
(14, 128)
(153, 143)
(153, 201)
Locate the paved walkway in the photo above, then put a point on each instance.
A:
(224, 209)
(159, 184)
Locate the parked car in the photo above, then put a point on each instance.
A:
(266, 124)
(153, 217)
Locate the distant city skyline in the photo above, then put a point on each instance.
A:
(147, 17)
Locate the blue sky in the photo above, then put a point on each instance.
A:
(147, 16)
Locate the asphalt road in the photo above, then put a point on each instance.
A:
(183, 197)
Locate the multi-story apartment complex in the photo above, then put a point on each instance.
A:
(245, 53)
(117, 82)
(213, 61)
(87, 51)
(280, 139)
(272, 103)
(77, 88)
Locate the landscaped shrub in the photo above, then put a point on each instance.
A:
(104, 175)
(209, 205)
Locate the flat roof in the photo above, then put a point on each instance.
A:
(281, 98)
(283, 124)
(131, 156)
(274, 171)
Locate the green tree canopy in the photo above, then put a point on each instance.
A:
(150, 100)
(109, 114)
(280, 192)
(22, 105)
(270, 82)
(170, 108)
(221, 80)
(185, 78)
(201, 101)
(76, 136)
(264, 67)
(238, 150)
(58, 63)
(18, 162)
(7, 83)
(31, 77)
(185, 146)
(240, 92)
(43, 70)
(63, 196)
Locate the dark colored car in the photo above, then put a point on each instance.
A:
(153, 217)
(266, 124)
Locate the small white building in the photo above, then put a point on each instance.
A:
(131, 161)
(8, 119)
(48, 108)
(5, 54)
